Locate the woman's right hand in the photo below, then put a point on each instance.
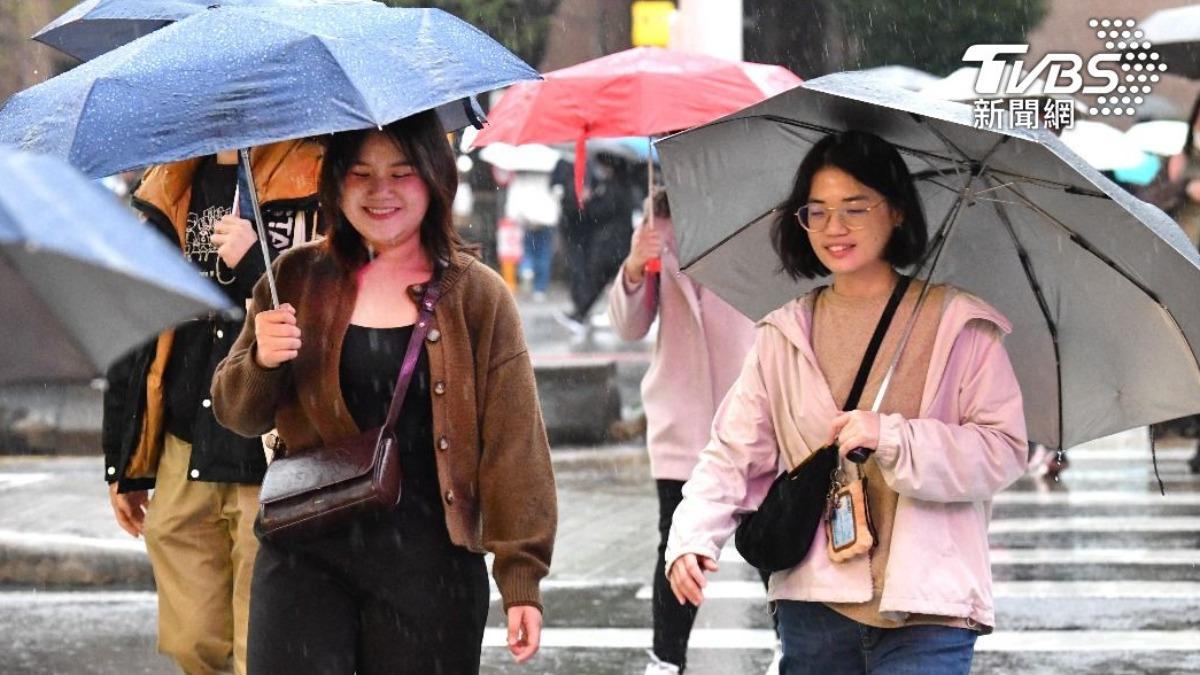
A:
(277, 336)
(647, 244)
(687, 577)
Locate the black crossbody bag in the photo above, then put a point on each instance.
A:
(778, 535)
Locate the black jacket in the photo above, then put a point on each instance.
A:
(218, 455)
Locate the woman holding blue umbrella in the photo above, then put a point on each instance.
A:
(402, 590)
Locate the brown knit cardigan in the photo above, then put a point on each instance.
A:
(493, 461)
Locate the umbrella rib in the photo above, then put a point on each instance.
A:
(950, 145)
(710, 249)
(1087, 246)
(1036, 287)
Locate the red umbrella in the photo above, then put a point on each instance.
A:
(645, 91)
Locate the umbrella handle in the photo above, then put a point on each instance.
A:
(249, 193)
(858, 455)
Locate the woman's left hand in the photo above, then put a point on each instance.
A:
(524, 632)
(856, 429)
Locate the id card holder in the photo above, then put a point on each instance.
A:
(848, 527)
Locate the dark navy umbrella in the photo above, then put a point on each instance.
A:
(94, 27)
(81, 280)
(236, 78)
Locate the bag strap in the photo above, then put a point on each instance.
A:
(864, 369)
(433, 292)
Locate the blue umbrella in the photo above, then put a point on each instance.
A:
(81, 280)
(236, 78)
(94, 27)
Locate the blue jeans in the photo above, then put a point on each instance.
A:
(539, 251)
(817, 639)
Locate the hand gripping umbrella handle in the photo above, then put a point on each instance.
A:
(249, 194)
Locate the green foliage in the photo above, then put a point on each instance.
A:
(932, 34)
(520, 25)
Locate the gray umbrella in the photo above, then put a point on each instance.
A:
(81, 280)
(1101, 287)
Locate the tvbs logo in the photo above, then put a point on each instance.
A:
(1120, 76)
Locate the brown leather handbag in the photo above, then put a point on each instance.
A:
(319, 489)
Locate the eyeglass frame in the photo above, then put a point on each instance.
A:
(833, 211)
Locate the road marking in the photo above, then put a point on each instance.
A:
(1096, 524)
(76, 597)
(1095, 556)
(12, 537)
(1099, 498)
(1064, 556)
(1159, 590)
(737, 638)
(1108, 590)
(15, 480)
(1129, 475)
(1126, 454)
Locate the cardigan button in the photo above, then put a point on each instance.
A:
(449, 496)
(112, 470)
(443, 443)
(439, 388)
(434, 335)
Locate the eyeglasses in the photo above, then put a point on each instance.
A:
(816, 217)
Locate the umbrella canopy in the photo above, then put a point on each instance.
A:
(902, 76)
(960, 86)
(81, 280)
(1099, 285)
(1102, 146)
(200, 86)
(94, 27)
(530, 157)
(1175, 35)
(644, 91)
(1161, 137)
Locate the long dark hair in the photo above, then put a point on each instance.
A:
(873, 162)
(424, 143)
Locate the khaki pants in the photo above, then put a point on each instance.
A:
(201, 543)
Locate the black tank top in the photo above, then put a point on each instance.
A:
(370, 364)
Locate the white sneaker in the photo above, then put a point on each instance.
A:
(659, 667)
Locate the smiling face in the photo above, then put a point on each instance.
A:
(843, 250)
(382, 195)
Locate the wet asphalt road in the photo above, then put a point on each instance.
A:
(1096, 575)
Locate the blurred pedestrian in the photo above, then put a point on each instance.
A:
(158, 427)
(949, 435)
(698, 351)
(532, 204)
(599, 244)
(405, 590)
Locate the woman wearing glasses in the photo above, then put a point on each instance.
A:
(949, 433)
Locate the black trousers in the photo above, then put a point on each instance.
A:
(673, 621)
(381, 596)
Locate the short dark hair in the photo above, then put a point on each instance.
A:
(873, 162)
(424, 143)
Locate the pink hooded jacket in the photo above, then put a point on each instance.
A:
(968, 444)
(698, 353)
